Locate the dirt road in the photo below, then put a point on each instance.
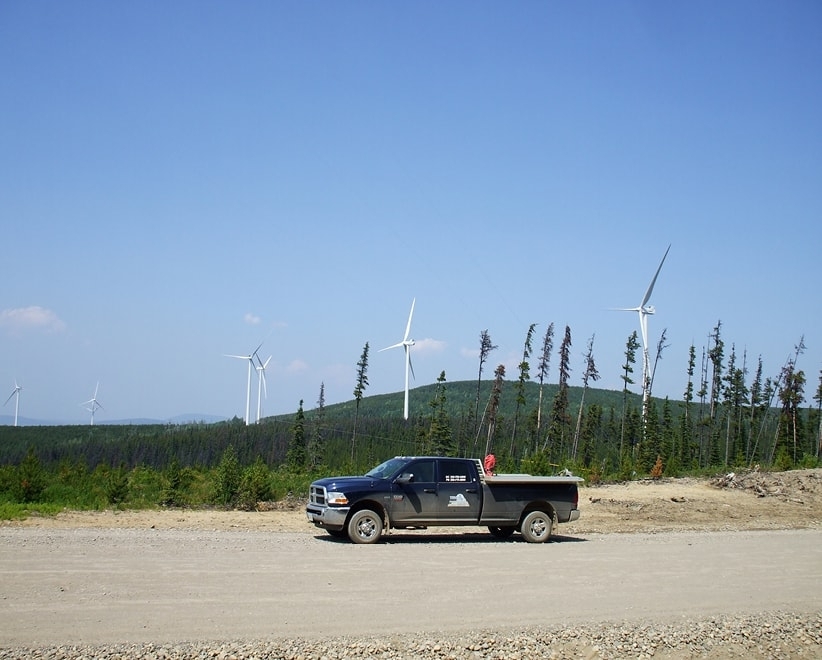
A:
(734, 544)
(96, 586)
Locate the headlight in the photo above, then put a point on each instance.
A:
(336, 498)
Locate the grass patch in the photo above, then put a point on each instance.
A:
(17, 511)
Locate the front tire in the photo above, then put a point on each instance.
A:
(365, 526)
(536, 527)
(502, 532)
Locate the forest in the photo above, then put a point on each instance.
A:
(727, 419)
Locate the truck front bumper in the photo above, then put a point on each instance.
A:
(327, 517)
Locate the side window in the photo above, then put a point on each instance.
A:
(454, 472)
(423, 471)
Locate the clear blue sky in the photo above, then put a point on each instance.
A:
(183, 180)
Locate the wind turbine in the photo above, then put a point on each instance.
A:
(261, 387)
(93, 404)
(645, 310)
(250, 359)
(406, 343)
(15, 392)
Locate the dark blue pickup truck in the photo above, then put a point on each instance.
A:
(408, 492)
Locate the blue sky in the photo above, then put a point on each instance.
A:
(180, 181)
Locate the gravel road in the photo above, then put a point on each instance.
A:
(103, 587)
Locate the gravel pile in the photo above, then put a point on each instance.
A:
(767, 635)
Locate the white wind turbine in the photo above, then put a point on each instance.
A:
(261, 386)
(16, 393)
(250, 359)
(93, 404)
(406, 343)
(646, 310)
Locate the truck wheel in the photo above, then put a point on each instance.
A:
(536, 527)
(502, 532)
(365, 526)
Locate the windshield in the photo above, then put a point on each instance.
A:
(387, 469)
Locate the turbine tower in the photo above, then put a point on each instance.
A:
(15, 393)
(645, 310)
(250, 359)
(406, 343)
(261, 386)
(93, 404)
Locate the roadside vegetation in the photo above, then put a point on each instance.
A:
(731, 417)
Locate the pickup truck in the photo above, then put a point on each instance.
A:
(413, 492)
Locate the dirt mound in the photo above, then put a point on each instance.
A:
(794, 486)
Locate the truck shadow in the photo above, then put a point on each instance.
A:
(410, 537)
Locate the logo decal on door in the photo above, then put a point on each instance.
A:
(458, 501)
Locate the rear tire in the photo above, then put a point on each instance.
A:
(536, 527)
(502, 532)
(365, 526)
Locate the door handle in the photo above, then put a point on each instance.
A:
(429, 490)
(470, 490)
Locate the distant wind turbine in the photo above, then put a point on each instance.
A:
(646, 310)
(261, 386)
(250, 359)
(406, 343)
(15, 393)
(93, 404)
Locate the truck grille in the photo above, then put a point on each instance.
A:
(316, 495)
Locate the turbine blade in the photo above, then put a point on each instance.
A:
(408, 326)
(10, 395)
(411, 367)
(653, 281)
(390, 347)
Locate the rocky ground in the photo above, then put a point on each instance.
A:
(750, 500)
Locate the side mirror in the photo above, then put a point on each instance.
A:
(405, 478)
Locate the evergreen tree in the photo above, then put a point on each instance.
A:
(818, 398)
(31, 481)
(716, 355)
(542, 370)
(493, 406)
(228, 477)
(524, 377)
(590, 374)
(560, 418)
(791, 396)
(255, 485)
(359, 390)
(440, 436)
(627, 369)
(486, 346)
(316, 441)
(296, 456)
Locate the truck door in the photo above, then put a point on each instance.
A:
(414, 500)
(458, 491)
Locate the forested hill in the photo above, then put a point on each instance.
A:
(460, 398)
(379, 429)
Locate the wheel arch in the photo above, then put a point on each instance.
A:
(539, 505)
(375, 506)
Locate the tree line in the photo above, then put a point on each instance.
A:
(731, 415)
